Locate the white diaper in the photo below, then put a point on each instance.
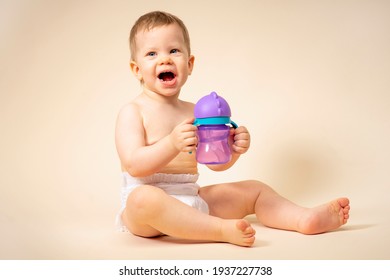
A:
(180, 186)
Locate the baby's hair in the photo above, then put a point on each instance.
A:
(156, 19)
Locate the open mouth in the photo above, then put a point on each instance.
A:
(166, 76)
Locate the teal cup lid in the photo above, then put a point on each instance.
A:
(215, 121)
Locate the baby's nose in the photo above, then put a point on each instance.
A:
(165, 60)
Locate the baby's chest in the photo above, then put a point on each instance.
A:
(156, 129)
(160, 124)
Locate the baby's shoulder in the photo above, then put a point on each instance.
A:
(130, 107)
(130, 110)
(187, 104)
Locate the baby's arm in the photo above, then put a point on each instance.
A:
(140, 159)
(239, 142)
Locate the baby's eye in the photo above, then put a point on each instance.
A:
(174, 51)
(151, 54)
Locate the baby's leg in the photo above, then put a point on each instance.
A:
(278, 212)
(150, 211)
(236, 200)
(324, 218)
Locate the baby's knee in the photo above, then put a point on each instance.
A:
(143, 197)
(252, 182)
(256, 184)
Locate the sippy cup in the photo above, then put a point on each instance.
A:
(212, 116)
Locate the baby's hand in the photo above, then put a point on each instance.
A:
(183, 136)
(241, 140)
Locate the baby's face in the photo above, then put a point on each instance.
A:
(162, 61)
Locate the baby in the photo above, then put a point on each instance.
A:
(156, 143)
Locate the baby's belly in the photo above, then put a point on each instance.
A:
(184, 163)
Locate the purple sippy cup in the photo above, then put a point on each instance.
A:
(212, 114)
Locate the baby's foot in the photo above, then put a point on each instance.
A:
(325, 217)
(238, 232)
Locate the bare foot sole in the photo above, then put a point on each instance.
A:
(238, 232)
(325, 217)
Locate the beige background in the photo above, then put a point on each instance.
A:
(310, 79)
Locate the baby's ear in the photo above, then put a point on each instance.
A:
(136, 70)
(191, 61)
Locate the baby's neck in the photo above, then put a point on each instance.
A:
(160, 98)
